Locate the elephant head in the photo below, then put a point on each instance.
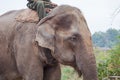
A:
(64, 31)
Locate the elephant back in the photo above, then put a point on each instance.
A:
(24, 17)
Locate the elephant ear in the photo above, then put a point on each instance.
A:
(45, 33)
(48, 17)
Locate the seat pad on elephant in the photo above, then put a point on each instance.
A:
(27, 15)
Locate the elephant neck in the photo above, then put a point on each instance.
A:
(50, 60)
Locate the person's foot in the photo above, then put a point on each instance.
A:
(47, 10)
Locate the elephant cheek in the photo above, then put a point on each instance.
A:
(65, 57)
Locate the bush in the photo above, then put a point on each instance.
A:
(69, 73)
(114, 61)
(109, 66)
(102, 62)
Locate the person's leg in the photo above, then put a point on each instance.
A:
(40, 9)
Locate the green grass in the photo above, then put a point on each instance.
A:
(101, 55)
(68, 73)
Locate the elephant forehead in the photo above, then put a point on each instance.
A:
(65, 21)
(69, 32)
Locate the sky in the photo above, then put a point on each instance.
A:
(100, 14)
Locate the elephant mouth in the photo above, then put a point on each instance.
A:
(72, 64)
(77, 69)
(66, 62)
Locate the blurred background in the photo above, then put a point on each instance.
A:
(103, 18)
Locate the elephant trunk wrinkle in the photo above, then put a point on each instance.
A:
(85, 61)
(87, 67)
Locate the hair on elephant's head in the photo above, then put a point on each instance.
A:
(64, 31)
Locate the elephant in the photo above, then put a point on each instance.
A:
(35, 51)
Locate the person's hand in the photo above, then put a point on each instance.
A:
(47, 10)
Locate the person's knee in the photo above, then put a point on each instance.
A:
(40, 2)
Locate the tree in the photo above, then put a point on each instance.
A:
(98, 39)
(106, 39)
(112, 37)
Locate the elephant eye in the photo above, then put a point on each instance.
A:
(74, 38)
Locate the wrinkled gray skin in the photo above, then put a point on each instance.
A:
(33, 51)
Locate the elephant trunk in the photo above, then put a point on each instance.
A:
(85, 61)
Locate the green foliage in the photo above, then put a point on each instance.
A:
(102, 70)
(106, 39)
(69, 73)
(114, 61)
(101, 57)
(108, 65)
